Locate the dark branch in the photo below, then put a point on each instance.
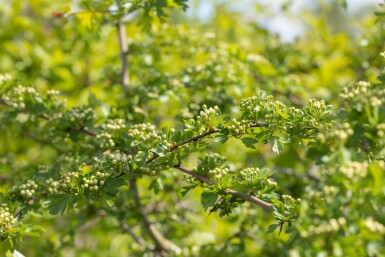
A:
(123, 56)
(248, 198)
(162, 243)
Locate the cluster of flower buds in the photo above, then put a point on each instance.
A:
(52, 185)
(341, 132)
(81, 115)
(205, 115)
(288, 200)
(120, 161)
(53, 93)
(249, 174)
(218, 173)
(106, 140)
(381, 130)
(212, 159)
(355, 169)
(237, 128)
(96, 181)
(363, 93)
(4, 78)
(257, 107)
(145, 132)
(332, 225)
(68, 182)
(315, 108)
(115, 124)
(374, 226)
(20, 95)
(7, 221)
(24, 191)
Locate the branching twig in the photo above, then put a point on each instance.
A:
(126, 228)
(208, 133)
(162, 243)
(123, 56)
(45, 117)
(248, 198)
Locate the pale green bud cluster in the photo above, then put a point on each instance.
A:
(289, 200)
(355, 169)
(374, 226)
(363, 93)
(206, 113)
(218, 173)
(271, 184)
(19, 95)
(79, 114)
(361, 88)
(94, 182)
(53, 92)
(115, 124)
(237, 128)
(7, 221)
(52, 185)
(118, 157)
(249, 174)
(106, 140)
(316, 109)
(4, 78)
(26, 191)
(381, 129)
(342, 132)
(144, 132)
(68, 182)
(333, 225)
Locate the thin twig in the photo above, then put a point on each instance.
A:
(126, 228)
(123, 56)
(45, 117)
(208, 133)
(89, 224)
(162, 243)
(248, 198)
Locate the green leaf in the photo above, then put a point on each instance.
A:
(378, 178)
(221, 138)
(187, 189)
(277, 146)
(58, 204)
(249, 142)
(208, 199)
(156, 185)
(272, 228)
(112, 185)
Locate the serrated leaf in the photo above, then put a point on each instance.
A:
(156, 185)
(221, 138)
(187, 189)
(112, 185)
(208, 199)
(58, 204)
(249, 142)
(272, 228)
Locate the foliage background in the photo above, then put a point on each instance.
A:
(175, 68)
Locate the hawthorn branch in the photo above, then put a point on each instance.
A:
(162, 243)
(126, 228)
(208, 133)
(82, 130)
(248, 198)
(123, 56)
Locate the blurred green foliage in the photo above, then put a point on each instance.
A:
(175, 69)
